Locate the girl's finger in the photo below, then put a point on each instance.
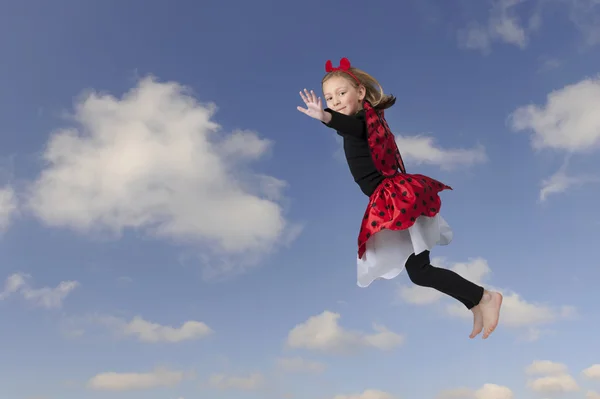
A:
(304, 98)
(308, 95)
(303, 110)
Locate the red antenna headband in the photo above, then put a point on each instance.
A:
(344, 67)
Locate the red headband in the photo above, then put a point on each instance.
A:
(344, 67)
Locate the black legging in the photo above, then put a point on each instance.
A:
(421, 273)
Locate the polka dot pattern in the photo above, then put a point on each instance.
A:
(398, 202)
(384, 151)
(401, 198)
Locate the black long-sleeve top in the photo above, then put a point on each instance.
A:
(353, 130)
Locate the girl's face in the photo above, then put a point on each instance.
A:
(342, 96)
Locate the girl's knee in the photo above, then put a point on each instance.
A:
(416, 266)
(417, 261)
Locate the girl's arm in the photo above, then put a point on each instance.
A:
(344, 124)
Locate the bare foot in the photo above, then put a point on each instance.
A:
(490, 307)
(477, 321)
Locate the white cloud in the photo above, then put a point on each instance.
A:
(507, 23)
(556, 378)
(493, 391)
(592, 395)
(418, 295)
(546, 367)
(144, 330)
(368, 394)
(150, 332)
(46, 297)
(154, 161)
(568, 121)
(250, 383)
(503, 25)
(592, 372)
(475, 37)
(560, 182)
(517, 313)
(423, 150)
(553, 384)
(323, 333)
(112, 381)
(8, 207)
(585, 14)
(487, 391)
(300, 365)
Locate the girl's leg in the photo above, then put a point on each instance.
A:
(421, 272)
(485, 305)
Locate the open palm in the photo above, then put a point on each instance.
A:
(314, 106)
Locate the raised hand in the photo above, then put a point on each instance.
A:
(314, 106)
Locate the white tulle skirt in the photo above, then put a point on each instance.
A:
(388, 250)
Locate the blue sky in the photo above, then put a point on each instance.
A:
(172, 227)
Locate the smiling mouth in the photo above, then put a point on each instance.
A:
(341, 109)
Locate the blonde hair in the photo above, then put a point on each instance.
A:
(374, 92)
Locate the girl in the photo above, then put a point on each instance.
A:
(402, 222)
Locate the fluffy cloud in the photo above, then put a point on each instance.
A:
(516, 312)
(368, 394)
(561, 182)
(147, 331)
(546, 367)
(493, 391)
(592, 372)
(508, 24)
(503, 25)
(8, 207)
(555, 380)
(46, 297)
(142, 330)
(299, 365)
(249, 383)
(487, 391)
(323, 333)
(112, 381)
(561, 383)
(592, 395)
(154, 161)
(569, 120)
(423, 150)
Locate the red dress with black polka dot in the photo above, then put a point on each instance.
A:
(400, 198)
